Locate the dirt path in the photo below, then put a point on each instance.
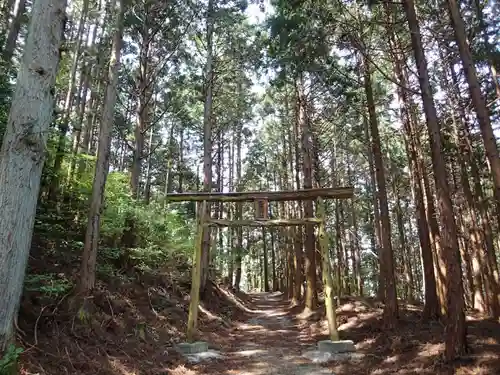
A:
(269, 342)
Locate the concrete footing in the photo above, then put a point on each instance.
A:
(328, 350)
(341, 346)
(196, 352)
(192, 348)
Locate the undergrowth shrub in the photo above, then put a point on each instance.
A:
(8, 363)
(164, 234)
(50, 284)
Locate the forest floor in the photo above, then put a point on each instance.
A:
(133, 329)
(273, 337)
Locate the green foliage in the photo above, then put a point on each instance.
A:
(49, 284)
(162, 234)
(118, 205)
(5, 97)
(8, 363)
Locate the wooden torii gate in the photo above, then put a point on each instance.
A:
(261, 200)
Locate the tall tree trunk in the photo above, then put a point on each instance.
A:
(476, 265)
(207, 146)
(409, 270)
(377, 240)
(220, 187)
(407, 283)
(292, 139)
(147, 189)
(455, 322)
(180, 162)
(431, 213)
(169, 178)
(357, 254)
(340, 251)
(273, 261)
(386, 256)
(466, 139)
(23, 153)
(486, 260)
(231, 233)
(88, 266)
(490, 50)
(91, 118)
(143, 107)
(266, 261)
(345, 247)
(68, 103)
(98, 77)
(88, 72)
(239, 216)
(478, 101)
(431, 303)
(311, 297)
(15, 27)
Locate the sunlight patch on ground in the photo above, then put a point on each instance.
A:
(351, 324)
(431, 350)
(211, 316)
(413, 308)
(249, 327)
(391, 359)
(266, 312)
(203, 356)
(250, 352)
(365, 344)
(181, 370)
(352, 307)
(306, 314)
(282, 331)
(123, 370)
(358, 321)
(276, 314)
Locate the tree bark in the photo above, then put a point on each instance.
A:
(478, 101)
(473, 253)
(466, 139)
(273, 262)
(23, 153)
(207, 147)
(68, 103)
(386, 256)
(489, 48)
(239, 214)
(143, 107)
(311, 297)
(431, 303)
(266, 262)
(294, 165)
(88, 265)
(455, 324)
(377, 241)
(15, 27)
(87, 71)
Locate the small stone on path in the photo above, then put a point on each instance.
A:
(317, 356)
